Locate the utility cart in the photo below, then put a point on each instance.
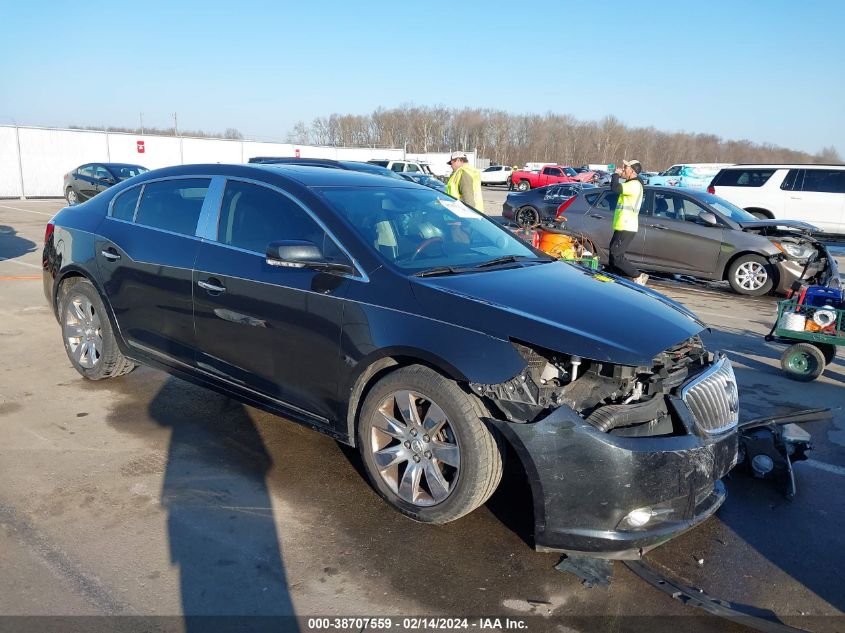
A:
(815, 329)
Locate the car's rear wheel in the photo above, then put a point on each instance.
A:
(527, 216)
(71, 196)
(523, 185)
(425, 448)
(87, 333)
(751, 275)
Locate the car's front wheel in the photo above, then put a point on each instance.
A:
(751, 275)
(71, 196)
(87, 333)
(425, 448)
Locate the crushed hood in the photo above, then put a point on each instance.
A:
(795, 225)
(562, 308)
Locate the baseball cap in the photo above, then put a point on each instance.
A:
(455, 155)
(633, 164)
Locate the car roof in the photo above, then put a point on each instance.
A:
(315, 176)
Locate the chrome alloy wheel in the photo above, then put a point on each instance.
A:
(414, 448)
(72, 198)
(83, 332)
(751, 275)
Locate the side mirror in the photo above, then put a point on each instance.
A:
(708, 218)
(107, 181)
(302, 254)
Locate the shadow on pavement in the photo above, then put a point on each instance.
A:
(221, 529)
(11, 245)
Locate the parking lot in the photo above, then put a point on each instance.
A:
(149, 496)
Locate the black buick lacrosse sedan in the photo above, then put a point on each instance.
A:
(400, 321)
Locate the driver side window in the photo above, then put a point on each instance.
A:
(252, 216)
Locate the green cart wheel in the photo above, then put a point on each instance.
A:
(803, 361)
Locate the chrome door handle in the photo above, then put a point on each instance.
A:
(110, 255)
(211, 287)
(659, 227)
(597, 216)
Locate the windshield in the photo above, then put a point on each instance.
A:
(728, 209)
(418, 229)
(380, 163)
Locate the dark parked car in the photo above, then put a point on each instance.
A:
(425, 179)
(528, 208)
(86, 181)
(398, 320)
(695, 233)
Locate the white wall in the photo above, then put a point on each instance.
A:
(48, 154)
(10, 177)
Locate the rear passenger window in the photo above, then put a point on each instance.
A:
(742, 177)
(253, 216)
(792, 182)
(123, 207)
(824, 180)
(173, 205)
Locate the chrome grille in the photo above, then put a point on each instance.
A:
(713, 398)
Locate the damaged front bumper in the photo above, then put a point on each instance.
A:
(617, 497)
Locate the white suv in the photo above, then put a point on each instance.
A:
(496, 175)
(404, 166)
(812, 193)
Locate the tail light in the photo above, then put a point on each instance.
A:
(48, 232)
(563, 208)
(535, 239)
(711, 190)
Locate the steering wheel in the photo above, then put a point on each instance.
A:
(425, 244)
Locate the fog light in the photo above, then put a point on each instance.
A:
(639, 517)
(762, 464)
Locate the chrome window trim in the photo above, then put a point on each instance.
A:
(360, 276)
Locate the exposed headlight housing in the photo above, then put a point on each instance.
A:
(796, 251)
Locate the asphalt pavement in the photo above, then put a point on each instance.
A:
(147, 496)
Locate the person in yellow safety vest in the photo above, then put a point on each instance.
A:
(465, 182)
(625, 218)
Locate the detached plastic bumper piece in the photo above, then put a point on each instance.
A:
(617, 497)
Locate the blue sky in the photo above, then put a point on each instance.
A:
(767, 71)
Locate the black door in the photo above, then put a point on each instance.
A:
(85, 182)
(275, 330)
(153, 301)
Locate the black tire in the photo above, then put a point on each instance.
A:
(94, 352)
(479, 447)
(803, 362)
(71, 196)
(760, 215)
(751, 275)
(526, 216)
(828, 351)
(523, 185)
